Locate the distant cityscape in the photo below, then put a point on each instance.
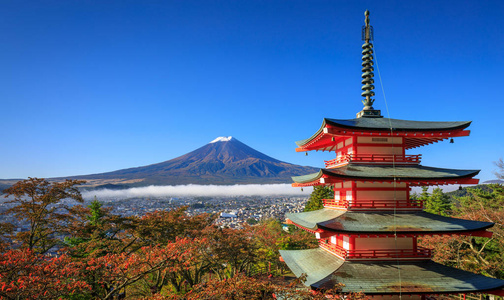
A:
(233, 212)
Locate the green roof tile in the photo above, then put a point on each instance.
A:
(316, 263)
(324, 271)
(406, 278)
(376, 172)
(383, 222)
(310, 219)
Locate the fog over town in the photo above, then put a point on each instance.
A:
(200, 190)
(195, 190)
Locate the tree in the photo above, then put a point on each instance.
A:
(487, 255)
(257, 288)
(475, 254)
(500, 165)
(234, 288)
(270, 238)
(26, 275)
(319, 192)
(133, 274)
(97, 213)
(162, 227)
(38, 202)
(95, 231)
(229, 251)
(437, 203)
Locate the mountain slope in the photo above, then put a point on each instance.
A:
(223, 161)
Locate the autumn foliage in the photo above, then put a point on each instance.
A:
(39, 203)
(71, 251)
(26, 275)
(475, 254)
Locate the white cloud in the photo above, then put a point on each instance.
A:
(201, 190)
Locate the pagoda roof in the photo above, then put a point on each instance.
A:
(324, 271)
(375, 223)
(396, 124)
(316, 263)
(370, 126)
(413, 173)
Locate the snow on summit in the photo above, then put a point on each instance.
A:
(222, 139)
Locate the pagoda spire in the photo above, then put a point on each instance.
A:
(367, 72)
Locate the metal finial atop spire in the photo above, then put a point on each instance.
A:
(367, 71)
(367, 30)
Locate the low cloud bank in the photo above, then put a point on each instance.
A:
(195, 190)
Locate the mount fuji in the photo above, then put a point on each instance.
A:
(225, 160)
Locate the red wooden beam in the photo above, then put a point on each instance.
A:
(335, 131)
(498, 292)
(413, 139)
(412, 182)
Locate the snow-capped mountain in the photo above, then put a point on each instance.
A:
(225, 160)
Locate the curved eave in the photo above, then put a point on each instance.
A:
(301, 143)
(416, 133)
(309, 220)
(415, 175)
(317, 263)
(323, 270)
(435, 279)
(309, 179)
(380, 223)
(396, 124)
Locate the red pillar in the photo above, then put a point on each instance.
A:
(351, 245)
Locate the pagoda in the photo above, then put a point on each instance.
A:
(368, 231)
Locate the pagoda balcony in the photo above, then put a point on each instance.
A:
(373, 204)
(379, 254)
(385, 159)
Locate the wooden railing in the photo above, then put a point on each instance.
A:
(383, 204)
(471, 297)
(420, 252)
(374, 158)
(467, 297)
(338, 250)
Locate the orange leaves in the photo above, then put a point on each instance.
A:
(162, 227)
(38, 203)
(116, 271)
(26, 275)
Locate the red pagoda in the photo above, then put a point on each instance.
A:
(368, 232)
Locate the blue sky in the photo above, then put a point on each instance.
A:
(95, 86)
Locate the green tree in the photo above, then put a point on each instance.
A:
(97, 213)
(95, 231)
(424, 195)
(438, 203)
(319, 192)
(475, 254)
